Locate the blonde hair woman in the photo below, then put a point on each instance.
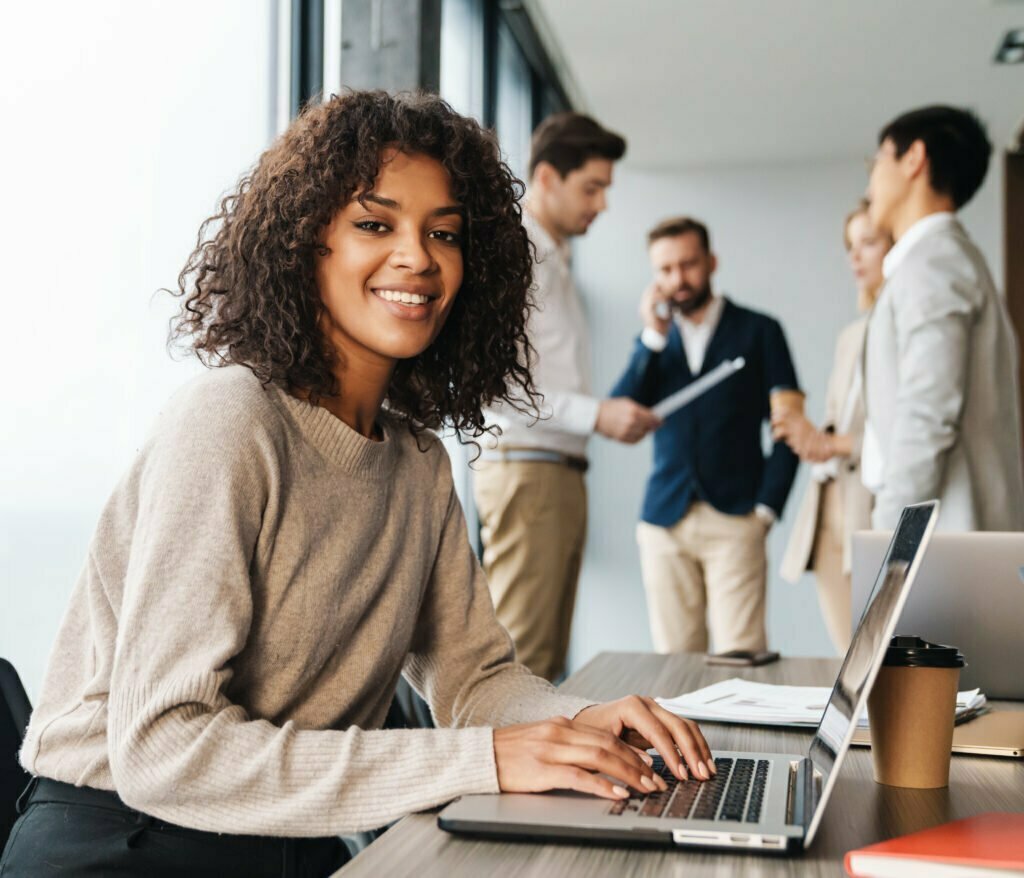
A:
(836, 503)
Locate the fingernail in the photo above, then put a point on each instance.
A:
(660, 781)
(648, 783)
(682, 772)
(647, 758)
(620, 792)
(702, 770)
(712, 766)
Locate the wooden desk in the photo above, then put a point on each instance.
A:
(860, 811)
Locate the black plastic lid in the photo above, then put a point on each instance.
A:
(912, 652)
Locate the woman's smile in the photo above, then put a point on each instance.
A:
(406, 301)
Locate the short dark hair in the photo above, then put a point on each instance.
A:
(567, 141)
(680, 225)
(958, 147)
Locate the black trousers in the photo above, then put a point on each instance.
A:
(76, 831)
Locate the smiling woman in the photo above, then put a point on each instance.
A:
(288, 542)
(390, 274)
(322, 201)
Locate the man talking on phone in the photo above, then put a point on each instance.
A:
(712, 495)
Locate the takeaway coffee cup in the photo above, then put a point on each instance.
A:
(911, 709)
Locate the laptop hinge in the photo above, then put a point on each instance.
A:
(800, 796)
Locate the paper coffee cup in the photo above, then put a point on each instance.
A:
(911, 710)
(786, 401)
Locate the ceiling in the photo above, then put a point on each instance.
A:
(701, 82)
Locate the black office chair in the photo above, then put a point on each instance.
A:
(14, 712)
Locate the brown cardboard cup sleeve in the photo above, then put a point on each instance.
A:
(911, 711)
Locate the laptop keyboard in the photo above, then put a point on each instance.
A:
(736, 793)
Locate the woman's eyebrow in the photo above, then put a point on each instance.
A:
(379, 199)
(391, 204)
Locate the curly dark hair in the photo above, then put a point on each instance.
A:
(249, 289)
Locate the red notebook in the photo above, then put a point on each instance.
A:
(989, 844)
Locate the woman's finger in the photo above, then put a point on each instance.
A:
(641, 751)
(568, 777)
(596, 758)
(686, 733)
(587, 735)
(672, 736)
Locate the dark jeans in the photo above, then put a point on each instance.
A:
(73, 831)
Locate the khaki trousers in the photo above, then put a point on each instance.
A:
(834, 590)
(706, 571)
(533, 519)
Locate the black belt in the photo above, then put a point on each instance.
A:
(535, 455)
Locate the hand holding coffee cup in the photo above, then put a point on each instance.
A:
(912, 711)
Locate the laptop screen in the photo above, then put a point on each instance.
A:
(867, 649)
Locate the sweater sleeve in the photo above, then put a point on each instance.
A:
(179, 749)
(463, 660)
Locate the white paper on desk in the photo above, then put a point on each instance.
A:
(744, 701)
(688, 394)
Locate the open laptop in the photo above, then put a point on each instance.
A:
(969, 594)
(757, 801)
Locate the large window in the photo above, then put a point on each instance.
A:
(514, 120)
(124, 121)
(463, 72)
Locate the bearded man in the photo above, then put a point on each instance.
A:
(712, 495)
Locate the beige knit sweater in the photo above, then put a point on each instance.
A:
(255, 586)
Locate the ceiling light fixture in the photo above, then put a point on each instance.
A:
(1012, 49)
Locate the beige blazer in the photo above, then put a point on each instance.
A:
(856, 500)
(941, 389)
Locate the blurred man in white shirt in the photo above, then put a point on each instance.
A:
(529, 486)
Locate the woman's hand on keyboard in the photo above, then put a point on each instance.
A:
(642, 722)
(562, 754)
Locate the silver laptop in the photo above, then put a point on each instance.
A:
(969, 594)
(757, 801)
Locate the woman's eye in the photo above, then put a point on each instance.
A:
(371, 226)
(447, 237)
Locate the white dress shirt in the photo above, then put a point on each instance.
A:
(696, 336)
(558, 332)
(872, 456)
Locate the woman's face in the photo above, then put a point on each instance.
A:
(395, 263)
(866, 250)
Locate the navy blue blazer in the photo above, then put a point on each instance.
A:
(711, 449)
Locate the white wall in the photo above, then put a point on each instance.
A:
(777, 230)
(123, 124)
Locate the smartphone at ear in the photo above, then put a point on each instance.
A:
(742, 658)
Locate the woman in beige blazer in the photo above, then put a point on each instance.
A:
(836, 503)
